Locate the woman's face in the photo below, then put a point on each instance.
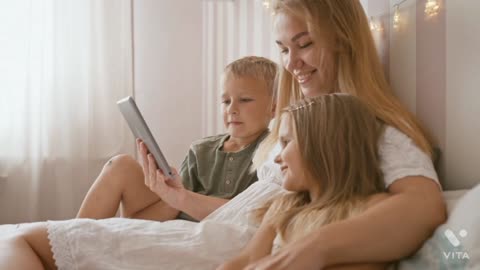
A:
(310, 62)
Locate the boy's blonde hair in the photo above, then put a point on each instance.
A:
(357, 66)
(259, 68)
(337, 137)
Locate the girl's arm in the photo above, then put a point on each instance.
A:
(258, 247)
(388, 231)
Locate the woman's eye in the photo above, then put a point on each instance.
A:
(283, 50)
(226, 102)
(306, 45)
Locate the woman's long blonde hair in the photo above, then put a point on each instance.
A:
(337, 136)
(357, 67)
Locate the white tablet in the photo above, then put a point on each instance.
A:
(139, 127)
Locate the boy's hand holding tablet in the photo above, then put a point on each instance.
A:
(169, 189)
(159, 176)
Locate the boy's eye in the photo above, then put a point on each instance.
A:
(246, 99)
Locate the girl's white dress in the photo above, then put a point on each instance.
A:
(138, 244)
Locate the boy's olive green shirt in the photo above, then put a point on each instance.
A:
(208, 170)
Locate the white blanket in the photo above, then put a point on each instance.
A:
(139, 244)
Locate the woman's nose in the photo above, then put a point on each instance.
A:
(293, 62)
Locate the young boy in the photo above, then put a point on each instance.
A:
(219, 166)
(216, 168)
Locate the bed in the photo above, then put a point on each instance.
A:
(441, 251)
(455, 245)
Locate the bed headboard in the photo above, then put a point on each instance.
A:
(433, 68)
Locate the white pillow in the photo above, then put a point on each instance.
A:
(455, 244)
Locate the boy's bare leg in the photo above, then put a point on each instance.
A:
(121, 184)
(29, 250)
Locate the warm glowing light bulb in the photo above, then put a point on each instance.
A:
(266, 3)
(373, 26)
(431, 8)
(396, 17)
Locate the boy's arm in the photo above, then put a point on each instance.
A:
(197, 205)
(258, 247)
(172, 192)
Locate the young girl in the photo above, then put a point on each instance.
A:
(330, 163)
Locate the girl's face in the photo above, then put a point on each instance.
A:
(295, 176)
(310, 62)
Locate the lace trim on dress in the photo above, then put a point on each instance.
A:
(64, 259)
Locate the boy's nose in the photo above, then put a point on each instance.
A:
(232, 109)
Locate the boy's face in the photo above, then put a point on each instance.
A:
(247, 107)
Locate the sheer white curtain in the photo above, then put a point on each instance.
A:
(63, 65)
(232, 29)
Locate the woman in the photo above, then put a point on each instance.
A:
(326, 47)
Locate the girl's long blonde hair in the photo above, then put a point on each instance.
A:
(337, 136)
(357, 67)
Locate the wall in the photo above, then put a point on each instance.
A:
(181, 48)
(432, 69)
(168, 67)
(233, 29)
(462, 143)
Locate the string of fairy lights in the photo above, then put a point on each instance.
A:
(432, 7)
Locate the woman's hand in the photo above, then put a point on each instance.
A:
(302, 254)
(170, 190)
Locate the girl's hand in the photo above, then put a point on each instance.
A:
(170, 190)
(303, 254)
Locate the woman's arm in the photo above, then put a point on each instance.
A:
(258, 247)
(400, 225)
(389, 231)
